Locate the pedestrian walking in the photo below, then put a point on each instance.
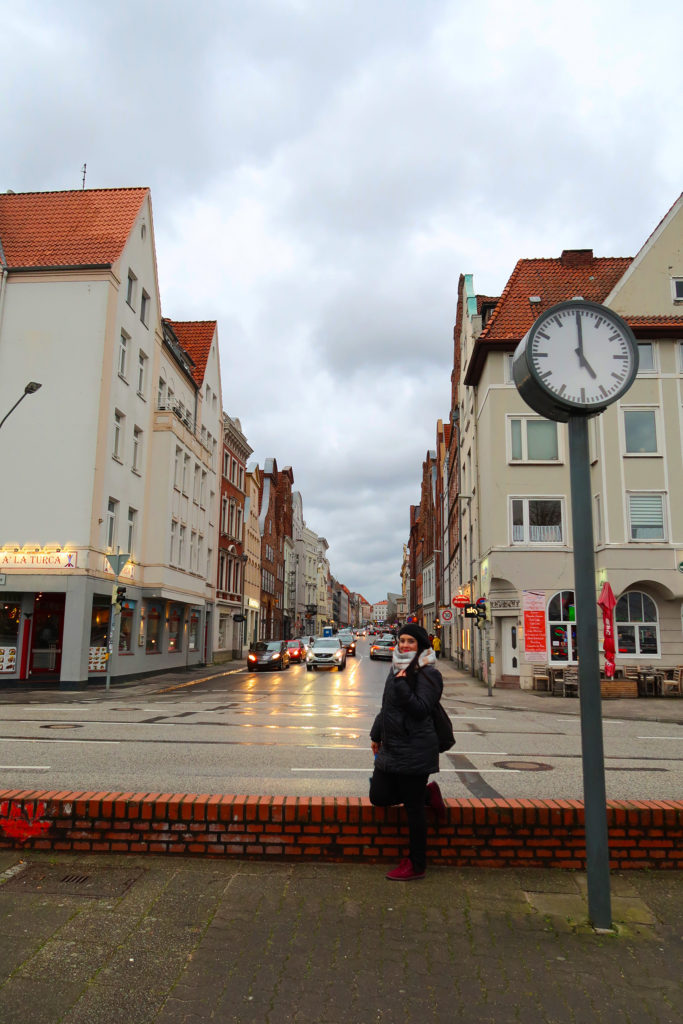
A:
(436, 644)
(405, 744)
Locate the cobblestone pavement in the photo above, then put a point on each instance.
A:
(209, 940)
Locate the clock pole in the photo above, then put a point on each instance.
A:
(592, 751)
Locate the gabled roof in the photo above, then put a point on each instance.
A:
(535, 285)
(196, 337)
(67, 229)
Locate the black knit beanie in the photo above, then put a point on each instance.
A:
(417, 633)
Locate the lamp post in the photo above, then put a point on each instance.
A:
(30, 389)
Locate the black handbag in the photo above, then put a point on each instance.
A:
(444, 728)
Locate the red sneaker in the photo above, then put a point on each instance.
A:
(435, 801)
(405, 872)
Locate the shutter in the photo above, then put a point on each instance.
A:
(646, 510)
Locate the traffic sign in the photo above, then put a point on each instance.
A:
(481, 601)
(117, 562)
(460, 601)
(447, 615)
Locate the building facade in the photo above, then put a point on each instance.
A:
(231, 632)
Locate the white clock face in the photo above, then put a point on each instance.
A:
(582, 355)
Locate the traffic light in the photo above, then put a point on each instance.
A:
(120, 596)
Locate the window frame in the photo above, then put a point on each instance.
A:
(112, 522)
(145, 302)
(676, 287)
(122, 361)
(650, 369)
(524, 420)
(526, 541)
(636, 625)
(142, 373)
(629, 513)
(131, 289)
(119, 435)
(626, 409)
(137, 449)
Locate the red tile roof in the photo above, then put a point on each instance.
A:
(195, 336)
(547, 281)
(67, 229)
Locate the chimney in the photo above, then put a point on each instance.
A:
(576, 257)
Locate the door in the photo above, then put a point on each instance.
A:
(509, 635)
(46, 636)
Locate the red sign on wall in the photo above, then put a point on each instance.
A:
(535, 644)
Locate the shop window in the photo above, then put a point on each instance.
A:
(562, 627)
(175, 628)
(637, 624)
(193, 640)
(10, 617)
(126, 627)
(153, 629)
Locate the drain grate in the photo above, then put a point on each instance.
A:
(95, 882)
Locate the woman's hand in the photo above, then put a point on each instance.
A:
(375, 747)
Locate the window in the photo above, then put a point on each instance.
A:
(226, 457)
(137, 449)
(562, 626)
(174, 537)
(142, 373)
(224, 515)
(202, 489)
(209, 562)
(193, 551)
(117, 447)
(646, 357)
(132, 520)
(509, 378)
(112, 513)
(123, 354)
(144, 308)
(181, 546)
(597, 519)
(186, 473)
(533, 440)
(637, 625)
(177, 468)
(677, 289)
(161, 393)
(537, 520)
(640, 429)
(646, 515)
(131, 289)
(195, 484)
(200, 553)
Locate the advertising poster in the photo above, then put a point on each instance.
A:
(535, 647)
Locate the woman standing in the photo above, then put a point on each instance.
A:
(405, 744)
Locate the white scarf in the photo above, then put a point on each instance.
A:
(400, 662)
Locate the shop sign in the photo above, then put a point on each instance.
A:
(535, 647)
(38, 560)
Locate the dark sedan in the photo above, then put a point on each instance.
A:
(268, 654)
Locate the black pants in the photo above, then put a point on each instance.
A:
(388, 788)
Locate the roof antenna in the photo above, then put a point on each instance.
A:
(83, 168)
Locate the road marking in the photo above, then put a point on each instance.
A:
(658, 737)
(474, 718)
(443, 771)
(50, 739)
(25, 767)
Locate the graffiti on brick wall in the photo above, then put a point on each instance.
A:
(23, 821)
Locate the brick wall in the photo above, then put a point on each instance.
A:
(493, 833)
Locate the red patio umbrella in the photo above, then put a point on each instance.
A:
(607, 602)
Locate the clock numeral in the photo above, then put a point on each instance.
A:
(615, 337)
(544, 376)
(562, 389)
(583, 394)
(540, 334)
(598, 321)
(618, 377)
(619, 355)
(603, 392)
(540, 355)
(558, 321)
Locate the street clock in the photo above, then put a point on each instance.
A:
(577, 359)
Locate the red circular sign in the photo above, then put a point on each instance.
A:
(446, 615)
(460, 601)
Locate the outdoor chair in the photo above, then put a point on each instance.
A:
(571, 682)
(672, 685)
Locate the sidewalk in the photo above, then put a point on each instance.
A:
(133, 940)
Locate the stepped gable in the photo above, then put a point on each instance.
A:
(196, 337)
(85, 228)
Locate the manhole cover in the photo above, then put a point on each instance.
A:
(524, 766)
(82, 880)
(61, 725)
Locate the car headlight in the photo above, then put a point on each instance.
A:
(274, 657)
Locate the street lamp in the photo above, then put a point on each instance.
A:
(30, 389)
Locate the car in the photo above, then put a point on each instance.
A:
(326, 652)
(383, 648)
(268, 654)
(349, 642)
(297, 650)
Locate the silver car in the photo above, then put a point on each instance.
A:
(326, 652)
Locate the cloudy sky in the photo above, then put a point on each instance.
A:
(321, 173)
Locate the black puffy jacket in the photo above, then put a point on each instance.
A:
(405, 726)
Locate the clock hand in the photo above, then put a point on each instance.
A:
(579, 351)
